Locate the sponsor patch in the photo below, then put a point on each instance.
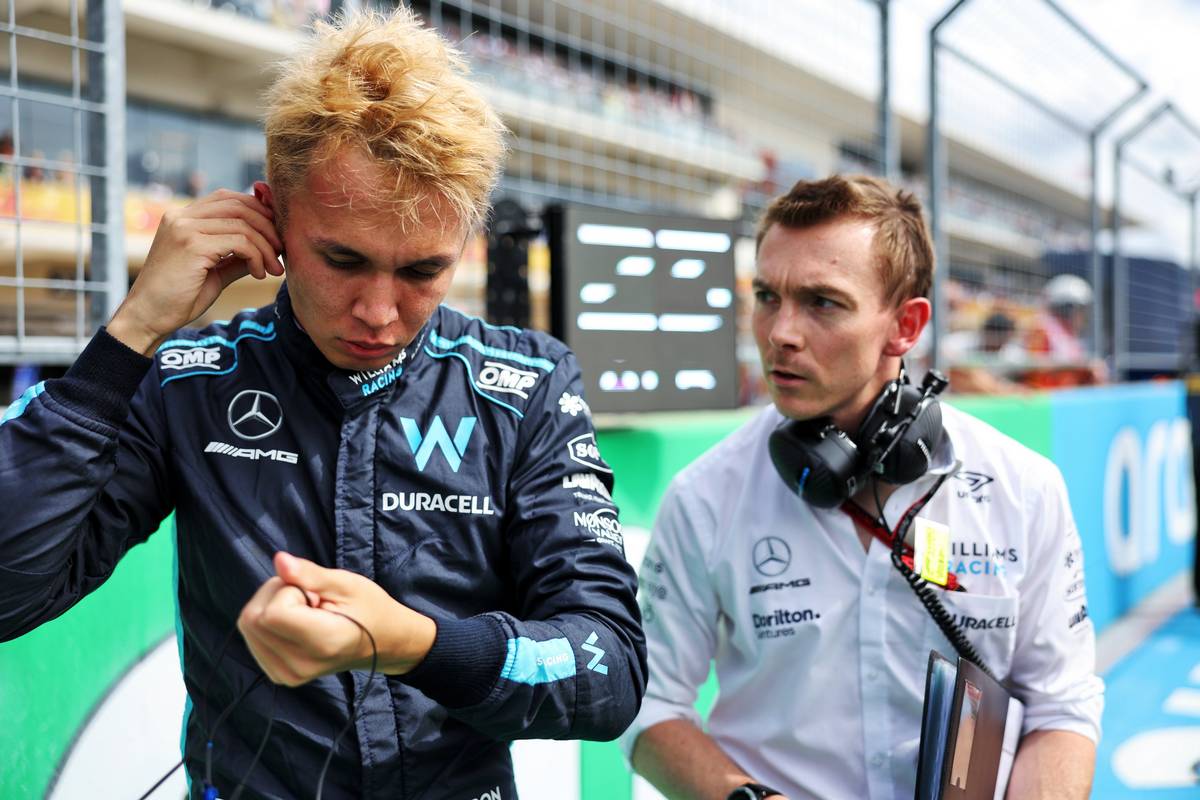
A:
(587, 482)
(602, 526)
(190, 357)
(425, 501)
(781, 622)
(583, 450)
(252, 453)
(573, 404)
(497, 377)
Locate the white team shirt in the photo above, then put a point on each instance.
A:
(821, 647)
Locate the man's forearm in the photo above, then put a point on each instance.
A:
(684, 763)
(1053, 765)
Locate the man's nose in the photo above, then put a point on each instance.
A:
(377, 302)
(787, 330)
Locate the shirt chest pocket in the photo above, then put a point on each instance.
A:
(988, 621)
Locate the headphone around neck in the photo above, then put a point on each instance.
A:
(895, 443)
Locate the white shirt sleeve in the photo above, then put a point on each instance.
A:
(679, 611)
(1053, 669)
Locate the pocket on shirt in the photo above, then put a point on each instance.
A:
(989, 623)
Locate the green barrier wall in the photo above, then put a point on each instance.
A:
(52, 679)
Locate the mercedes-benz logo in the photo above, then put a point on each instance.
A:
(772, 556)
(254, 414)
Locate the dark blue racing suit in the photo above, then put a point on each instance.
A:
(463, 478)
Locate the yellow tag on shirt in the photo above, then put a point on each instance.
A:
(931, 552)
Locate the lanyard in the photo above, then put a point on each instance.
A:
(875, 527)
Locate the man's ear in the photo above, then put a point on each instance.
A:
(264, 195)
(911, 318)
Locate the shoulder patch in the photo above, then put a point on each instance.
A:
(208, 355)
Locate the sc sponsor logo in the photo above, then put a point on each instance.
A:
(189, 357)
(583, 450)
(490, 794)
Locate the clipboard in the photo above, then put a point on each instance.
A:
(970, 729)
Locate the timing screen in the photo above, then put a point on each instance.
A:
(647, 304)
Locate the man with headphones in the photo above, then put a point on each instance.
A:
(785, 555)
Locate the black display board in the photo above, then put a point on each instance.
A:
(647, 303)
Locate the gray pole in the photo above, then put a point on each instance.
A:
(889, 142)
(935, 164)
(106, 86)
(1099, 312)
(1120, 337)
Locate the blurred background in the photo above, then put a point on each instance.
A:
(1053, 143)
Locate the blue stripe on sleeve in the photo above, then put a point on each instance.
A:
(18, 408)
(531, 662)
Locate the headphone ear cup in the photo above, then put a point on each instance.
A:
(816, 461)
(911, 457)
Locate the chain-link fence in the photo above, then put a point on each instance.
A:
(1013, 159)
(1156, 175)
(62, 181)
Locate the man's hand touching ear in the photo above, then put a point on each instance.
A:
(292, 630)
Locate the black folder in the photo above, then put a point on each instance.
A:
(970, 728)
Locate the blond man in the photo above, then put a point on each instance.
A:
(383, 494)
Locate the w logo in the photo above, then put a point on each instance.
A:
(438, 439)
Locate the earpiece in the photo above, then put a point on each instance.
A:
(895, 443)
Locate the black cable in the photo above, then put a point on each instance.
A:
(204, 693)
(355, 704)
(161, 780)
(262, 743)
(208, 745)
(933, 604)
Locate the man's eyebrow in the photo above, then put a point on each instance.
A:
(332, 246)
(811, 289)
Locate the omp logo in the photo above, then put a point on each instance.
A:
(597, 654)
(587, 481)
(490, 794)
(254, 414)
(499, 377)
(252, 453)
(188, 357)
(437, 438)
(602, 525)
(583, 450)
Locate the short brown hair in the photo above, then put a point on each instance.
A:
(393, 88)
(902, 241)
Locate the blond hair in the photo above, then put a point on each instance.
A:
(902, 243)
(393, 89)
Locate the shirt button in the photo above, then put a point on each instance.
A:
(877, 760)
(873, 675)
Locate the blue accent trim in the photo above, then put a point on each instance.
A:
(484, 322)
(187, 705)
(471, 380)
(531, 662)
(18, 408)
(803, 480)
(233, 344)
(267, 330)
(491, 352)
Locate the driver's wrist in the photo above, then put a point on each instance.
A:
(129, 330)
